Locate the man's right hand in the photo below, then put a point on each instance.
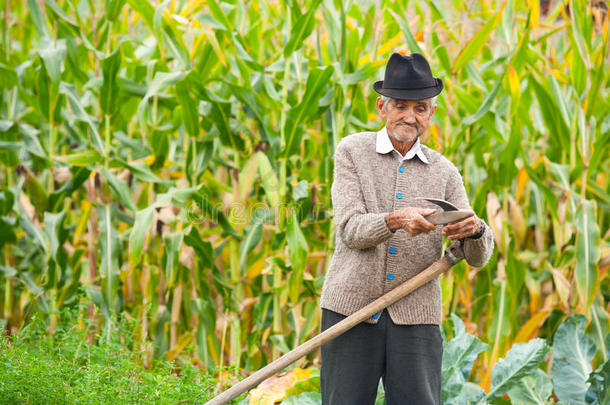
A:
(411, 219)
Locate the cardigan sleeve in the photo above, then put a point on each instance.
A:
(356, 227)
(476, 251)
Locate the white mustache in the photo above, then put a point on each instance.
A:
(410, 125)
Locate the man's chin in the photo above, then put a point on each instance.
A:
(405, 138)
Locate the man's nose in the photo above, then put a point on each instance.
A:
(409, 116)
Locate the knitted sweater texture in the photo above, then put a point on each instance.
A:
(369, 259)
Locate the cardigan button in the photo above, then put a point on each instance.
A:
(392, 250)
(390, 276)
(401, 169)
(399, 195)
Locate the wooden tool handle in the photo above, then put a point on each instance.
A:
(432, 272)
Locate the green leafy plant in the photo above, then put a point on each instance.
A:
(517, 376)
(63, 369)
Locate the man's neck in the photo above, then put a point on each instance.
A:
(403, 147)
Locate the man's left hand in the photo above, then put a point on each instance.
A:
(463, 229)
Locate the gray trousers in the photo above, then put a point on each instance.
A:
(407, 358)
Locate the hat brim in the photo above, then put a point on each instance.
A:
(410, 94)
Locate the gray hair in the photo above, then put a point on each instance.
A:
(385, 99)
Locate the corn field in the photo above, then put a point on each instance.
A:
(169, 163)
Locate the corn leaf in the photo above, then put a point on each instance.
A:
(477, 41)
(120, 190)
(39, 20)
(70, 92)
(139, 234)
(316, 83)
(109, 92)
(85, 158)
(301, 29)
(587, 252)
(404, 26)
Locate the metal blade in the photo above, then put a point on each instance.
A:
(446, 217)
(446, 205)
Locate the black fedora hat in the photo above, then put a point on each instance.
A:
(408, 78)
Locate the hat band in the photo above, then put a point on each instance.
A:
(408, 88)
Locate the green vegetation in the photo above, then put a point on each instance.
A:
(64, 369)
(517, 377)
(173, 160)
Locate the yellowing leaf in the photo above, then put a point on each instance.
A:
(562, 286)
(191, 7)
(255, 269)
(560, 76)
(184, 340)
(539, 161)
(435, 137)
(529, 330)
(535, 14)
(85, 207)
(390, 44)
(195, 47)
(498, 351)
(533, 288)
(275, 388)
(176, 174)
(351, 23)
(513, 83)
(522, 179)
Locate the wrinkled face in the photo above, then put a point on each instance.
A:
(406, 120)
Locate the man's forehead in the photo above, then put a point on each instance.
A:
(425, 101)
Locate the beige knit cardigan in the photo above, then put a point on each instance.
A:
(369, 259)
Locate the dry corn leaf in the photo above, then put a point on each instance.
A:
(495, 217)
(275, 388)
(562, 286)
(187, 256)
(517, 221)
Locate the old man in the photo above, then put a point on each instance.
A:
(383, 239)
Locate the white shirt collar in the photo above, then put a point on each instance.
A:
(384, 145)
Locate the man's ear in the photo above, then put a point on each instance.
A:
(432, 111)
(380, 109)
